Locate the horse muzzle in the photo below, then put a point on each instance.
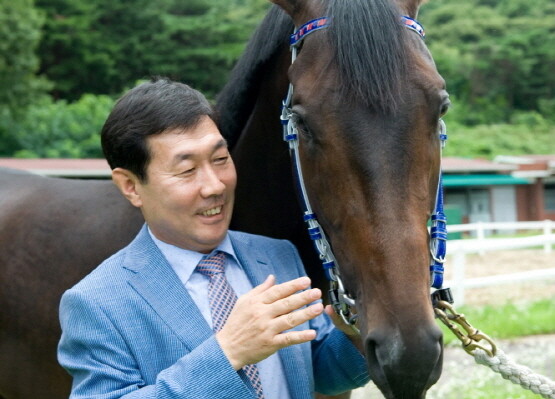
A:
(405, 363)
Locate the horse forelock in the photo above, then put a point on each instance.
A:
(369, 46)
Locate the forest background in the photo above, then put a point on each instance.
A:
(63, 63)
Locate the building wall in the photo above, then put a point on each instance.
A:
(503, 204)
(531, 201)
(549, 199)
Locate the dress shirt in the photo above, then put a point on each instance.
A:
(184, 263)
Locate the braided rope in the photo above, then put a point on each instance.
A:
(521, 375)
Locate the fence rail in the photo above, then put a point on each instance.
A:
(458, 249)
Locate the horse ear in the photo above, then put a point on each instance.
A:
(291, 7)
(410, 7)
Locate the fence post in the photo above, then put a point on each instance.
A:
(547, 228)
(459, 261)
(481, 235)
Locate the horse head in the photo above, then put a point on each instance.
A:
(367, 101)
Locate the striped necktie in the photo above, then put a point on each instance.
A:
(222, 298)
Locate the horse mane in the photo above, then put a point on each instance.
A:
(367, 39)
(370, 51)
(235, 102)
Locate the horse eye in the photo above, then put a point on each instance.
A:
(302, 128)
(444, 107)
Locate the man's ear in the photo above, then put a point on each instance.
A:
(127, 183)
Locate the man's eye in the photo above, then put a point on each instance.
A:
(221, 160)
(188, 172)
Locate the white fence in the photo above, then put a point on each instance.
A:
(481, 244)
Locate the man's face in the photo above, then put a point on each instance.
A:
(188, 198)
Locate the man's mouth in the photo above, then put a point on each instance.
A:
(213, 211)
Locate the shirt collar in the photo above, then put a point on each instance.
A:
(184, 261)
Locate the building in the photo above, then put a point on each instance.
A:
(505, 189)
(535, 201)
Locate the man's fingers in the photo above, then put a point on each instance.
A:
(294, 338)
(269, 282)
(284, 290)
(295, 301)
(294, 319)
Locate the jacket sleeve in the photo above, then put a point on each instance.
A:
(338, 366)
(102, 364)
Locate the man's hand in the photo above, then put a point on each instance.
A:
(255, 327)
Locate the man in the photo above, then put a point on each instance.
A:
(156, 320)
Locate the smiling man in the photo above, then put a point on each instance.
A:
(190, 309)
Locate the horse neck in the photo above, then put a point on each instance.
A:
(266, 202)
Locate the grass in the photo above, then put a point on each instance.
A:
(509, 320)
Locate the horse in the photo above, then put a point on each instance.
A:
(52, 233)
(367, 101)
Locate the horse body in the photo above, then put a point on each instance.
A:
(52, 233)
(367, 101)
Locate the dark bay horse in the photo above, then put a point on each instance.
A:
(367, 100)
(52, 233)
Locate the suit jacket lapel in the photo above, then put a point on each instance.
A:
(254, 261)
(258, 266)
(155, 281)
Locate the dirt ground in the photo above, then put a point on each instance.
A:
(505, 262)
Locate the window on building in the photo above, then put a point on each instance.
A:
(550, 196)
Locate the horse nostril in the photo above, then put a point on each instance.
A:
(404, 363)
(375, 368)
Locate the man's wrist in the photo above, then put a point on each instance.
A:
(235, 363)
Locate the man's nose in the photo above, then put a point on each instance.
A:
(211, 183)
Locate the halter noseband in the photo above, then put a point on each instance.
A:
(339, 298)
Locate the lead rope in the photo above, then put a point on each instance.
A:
(491, 356)
(517, 374)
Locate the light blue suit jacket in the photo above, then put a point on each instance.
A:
(131, 330)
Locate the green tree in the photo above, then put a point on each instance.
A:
(56, 129)
(201, 45)
(103, 46)
(496, 56)
(97, 46)
(20, 25)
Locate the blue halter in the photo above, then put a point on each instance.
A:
(339, 298)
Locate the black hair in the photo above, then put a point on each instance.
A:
(150, 108)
